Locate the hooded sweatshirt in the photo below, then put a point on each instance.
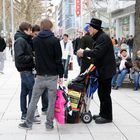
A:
(23, 52)
(48, 54)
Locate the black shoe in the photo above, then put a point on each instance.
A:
(95, 117)
(116, 87)
(24, 126)
(135, 89)
(101, 120)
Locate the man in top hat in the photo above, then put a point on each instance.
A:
(104, 59)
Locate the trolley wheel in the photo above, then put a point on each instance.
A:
(86, 117)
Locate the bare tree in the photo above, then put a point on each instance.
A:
(137, 27)
(29, 10)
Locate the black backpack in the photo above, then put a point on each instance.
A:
(2, 44)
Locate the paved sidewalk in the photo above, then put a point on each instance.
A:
(125, 126)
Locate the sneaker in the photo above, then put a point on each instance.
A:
(23, 117)
(135, 88)
(24, 126)
(49, 128)
(36, 121)
(36, 113)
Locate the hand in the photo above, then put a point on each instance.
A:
(60, 81)
(80, 52)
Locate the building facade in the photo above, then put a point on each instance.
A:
(66, 17)
(123, 15)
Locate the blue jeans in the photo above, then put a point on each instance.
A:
(121, 77)
(114, 79)
(136, 77)
(27, 82)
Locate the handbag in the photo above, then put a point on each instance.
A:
(70, 66)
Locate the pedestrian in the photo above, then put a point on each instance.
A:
(2, 48)
(86, 43)
(104, 60)
(49, 67)
(67, 53)
(123, 65)
(24, 64)
(76, 46)
(136, 71)
(9, 43)
(44, 98)
(130, 44)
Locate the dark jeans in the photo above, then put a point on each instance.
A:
(130, 51)
(44, 99)
(136, 78)
(104, 91)
(27, 82)
(65, 64)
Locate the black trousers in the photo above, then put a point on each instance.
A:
(104, 91)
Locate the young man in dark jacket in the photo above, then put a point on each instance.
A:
(48, 58)
(86, 43)
(24, 64)
(44, 98)
(104, 59)
(2, 48)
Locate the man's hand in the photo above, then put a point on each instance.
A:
(60, 81)
(80, 52)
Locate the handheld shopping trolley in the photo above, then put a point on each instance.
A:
(81, 92)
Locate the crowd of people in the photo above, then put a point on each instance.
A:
(43, 62)
(126, 64)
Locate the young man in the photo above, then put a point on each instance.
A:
(44, 98)
(67, 52)
(104, 60)
(24, 64)
(48, 58)
(2, 48)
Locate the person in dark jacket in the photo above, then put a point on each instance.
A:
(104, 60)
(86, 43)
(44, 98)
(136, 71)
(24, 64)
(76, 46)
(2, 48)
(130, 43)
(48, 58)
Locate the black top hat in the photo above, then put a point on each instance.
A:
(96, 23)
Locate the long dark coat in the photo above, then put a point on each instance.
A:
(103, 55)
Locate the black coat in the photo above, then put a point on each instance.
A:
(2, 44)
(48, 54)
(103, 55)
(86, 42)
(23, 52)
